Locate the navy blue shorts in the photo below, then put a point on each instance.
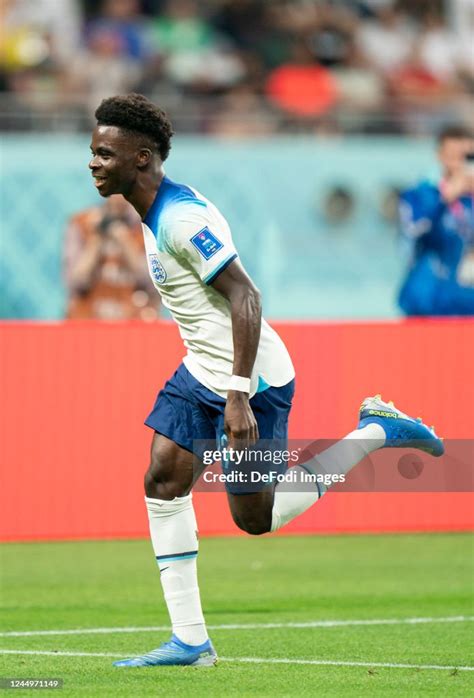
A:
(193, 417)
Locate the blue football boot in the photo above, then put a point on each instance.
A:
(401, 430)
(175, 653)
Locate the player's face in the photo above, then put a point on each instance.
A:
(452, 153)
(114, 159)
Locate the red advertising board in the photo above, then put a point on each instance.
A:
(74, 396)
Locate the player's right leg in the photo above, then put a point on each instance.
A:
(168, 481)
(173, 531)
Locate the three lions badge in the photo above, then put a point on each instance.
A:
(157, 270)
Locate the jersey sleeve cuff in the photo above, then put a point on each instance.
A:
(219, 269)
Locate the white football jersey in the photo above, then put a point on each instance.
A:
(188, 243)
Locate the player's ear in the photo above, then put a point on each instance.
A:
(143, 157)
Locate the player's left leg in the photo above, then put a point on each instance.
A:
(252, 512)
(380, 425)
(274, 507)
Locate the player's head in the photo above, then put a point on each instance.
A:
(454, 142)
(132, 136)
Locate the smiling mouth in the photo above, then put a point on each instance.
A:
(99, 180)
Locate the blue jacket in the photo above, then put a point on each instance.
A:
(440, 236)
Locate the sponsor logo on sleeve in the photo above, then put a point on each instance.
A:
(157, 270)
(206, 243)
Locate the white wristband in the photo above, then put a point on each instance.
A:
(239, 383)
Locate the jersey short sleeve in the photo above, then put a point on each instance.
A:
(202, 238)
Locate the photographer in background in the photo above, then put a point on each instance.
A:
(105, 265)
(437, 219)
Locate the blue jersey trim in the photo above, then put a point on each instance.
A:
(223, 265)
(169, 192)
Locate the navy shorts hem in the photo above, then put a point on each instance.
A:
(169, 436)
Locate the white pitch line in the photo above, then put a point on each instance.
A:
(244, 626)
(263, 660)
(60, 653)
(329, 662)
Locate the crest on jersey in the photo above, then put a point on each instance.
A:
(206, 243)
(157, 270)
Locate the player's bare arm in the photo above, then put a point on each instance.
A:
(246, 312)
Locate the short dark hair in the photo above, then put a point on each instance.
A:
(137, 114)
(456, 131)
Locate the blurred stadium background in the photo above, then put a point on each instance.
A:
(302, 120)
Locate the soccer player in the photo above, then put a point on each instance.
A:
(236, 381)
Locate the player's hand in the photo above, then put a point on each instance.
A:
(239, 421)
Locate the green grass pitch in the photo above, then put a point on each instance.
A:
(249, 582)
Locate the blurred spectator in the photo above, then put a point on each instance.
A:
(195, 55)
(364, 66)
(38, 39)
(386, 41)
(462, 12)
(34, 30)
(423, 99)
(277, 36)
(361, 90)
(330, 37)
(302, 88)
(241, 113)
(437, 220)
(437, 47)
(105, 265)
(182, 27)
(102, 68)
(244, 22)
(123, 18)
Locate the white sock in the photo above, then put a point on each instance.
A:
(339, 459)
(173, 531)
